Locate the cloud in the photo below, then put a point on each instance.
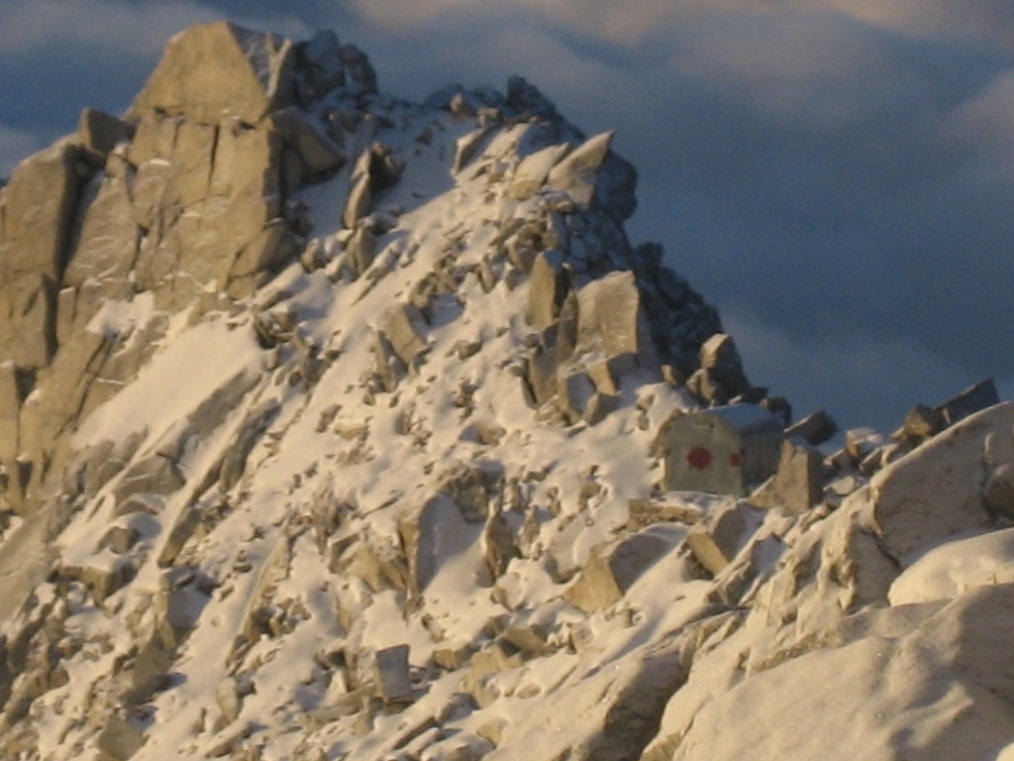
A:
(14, 146)
(983, 22)
(869, 381)
(134, 28)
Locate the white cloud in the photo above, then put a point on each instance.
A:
(132, 27)
(632, 23)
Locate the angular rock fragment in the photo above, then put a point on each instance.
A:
(100, 132)
(611, 324)
(403, 328)
(606, 577)
(120, 739)
(716, 544)
(319, 154)
(921, 423)
(720, 377)
(798, 482)
(815, 429)
(973, 399)
(548, 285)
(393, 682)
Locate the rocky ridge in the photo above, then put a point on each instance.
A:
(335, 427)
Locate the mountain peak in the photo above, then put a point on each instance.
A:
(338, 427)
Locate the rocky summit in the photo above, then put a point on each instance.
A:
(338, 427)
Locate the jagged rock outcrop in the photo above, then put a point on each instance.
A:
(334, 426)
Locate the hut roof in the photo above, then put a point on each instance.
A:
(747, 418)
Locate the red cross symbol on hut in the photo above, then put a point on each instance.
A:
(723, 449)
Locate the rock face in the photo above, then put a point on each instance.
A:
(334, 426)
(221, 70)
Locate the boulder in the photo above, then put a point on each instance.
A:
(798, 483)
(971, 400)
(322, 62)
(391, 674)
(104, 577)
(610, 324)
(359, 73)
(533, 169)
(548, 285)
(608, 574)
(359, 200)
(99, 132)
(721, 364)
(403, 328)
(577, 174)
(936, 491)
(218, 70)
(815, 429)
(716, 543)
(316, 150)
(432, 533)
(861, 443)
(153, 475)
(361, 249)
(921, 423)
(119, 739)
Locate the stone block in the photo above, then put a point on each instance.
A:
(577, 174)
(153, 475)
(607, 576)
(391, 674)
(815, 429)
(971, 400)
(100, 132)
(921, 423)
(610, 324)
(715, 545)
(319, 154)
(720, 358)
(403, 327)
(798, 483)
(120, 739)
(548, 285)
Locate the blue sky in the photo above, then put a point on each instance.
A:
(837, 176)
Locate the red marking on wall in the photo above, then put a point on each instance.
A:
(699, 458)
(735, 459)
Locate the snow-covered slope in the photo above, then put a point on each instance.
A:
(336, 427)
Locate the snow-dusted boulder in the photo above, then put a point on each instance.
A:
(936, 491)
